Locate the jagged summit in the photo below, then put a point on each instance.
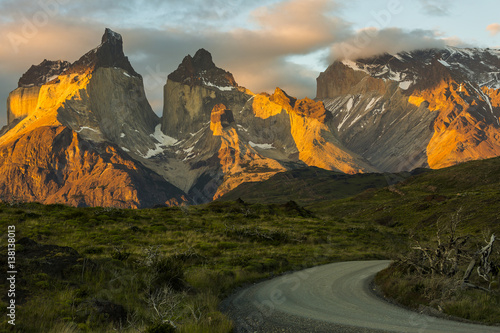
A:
(90, 137)
(111, 37)
(282, 98)
(42, 73)
(421, 69)
(82, 128)
(108, 54)
(424, 108)
(201, 70)
(203, 60)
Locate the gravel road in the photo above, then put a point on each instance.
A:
(330, 298)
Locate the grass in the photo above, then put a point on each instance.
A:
(201, 253)
(310, 185)
(441, 294)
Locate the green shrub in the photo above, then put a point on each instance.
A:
(120, 254)
(168, 271)
(161, 328)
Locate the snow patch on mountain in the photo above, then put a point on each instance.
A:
(358, 117)
(405, 84)
(87, 128)
(210, 84)
(162, 138)
(444, 63)
(339, 127)
(372, 103)
(261, 145)
(354, 65)
(350, 104)
(164, 141)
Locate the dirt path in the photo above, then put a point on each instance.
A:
(330, 298)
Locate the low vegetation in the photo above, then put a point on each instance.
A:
(451, 273)
(164, 269)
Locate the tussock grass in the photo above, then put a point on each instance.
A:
(200, 253)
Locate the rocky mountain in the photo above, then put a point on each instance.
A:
(84, 134)
(73, 132)
(428, 108)
(89, 136)
(224, 135)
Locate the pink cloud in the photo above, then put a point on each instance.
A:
(493, 28)
(370, 42)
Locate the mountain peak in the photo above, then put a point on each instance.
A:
(425, 68)
(281, 97)
(202, 60)
(108, 54)
(201, 70)
(111, 37)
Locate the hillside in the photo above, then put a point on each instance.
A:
(425, 108)
(419, 201)
(310, 185)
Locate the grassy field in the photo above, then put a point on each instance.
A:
(108, 270)
(135, 269)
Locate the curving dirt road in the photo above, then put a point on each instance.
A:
(330, 298)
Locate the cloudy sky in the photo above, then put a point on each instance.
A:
(264, 43)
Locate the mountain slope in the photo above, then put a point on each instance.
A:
(430, 108)
(416, 109)
(311, 184)
(213, 136)
(226, 135)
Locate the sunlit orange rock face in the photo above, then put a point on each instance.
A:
(316, 144)
(239, 161)
(253, 136)
(84, 134)
(426, 108)
(462, 130)
(54, 165)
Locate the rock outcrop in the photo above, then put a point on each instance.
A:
(193, 90)
(55, 165)
(84, 134)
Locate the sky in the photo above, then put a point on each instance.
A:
(264, 43)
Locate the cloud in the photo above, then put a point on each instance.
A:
(370, 42)
(457, 42)
(256, 57)
(436, 7)
(493, 28)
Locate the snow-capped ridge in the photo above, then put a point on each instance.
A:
(410, 67)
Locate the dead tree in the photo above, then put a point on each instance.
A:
(486, 269)
(445, 256)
